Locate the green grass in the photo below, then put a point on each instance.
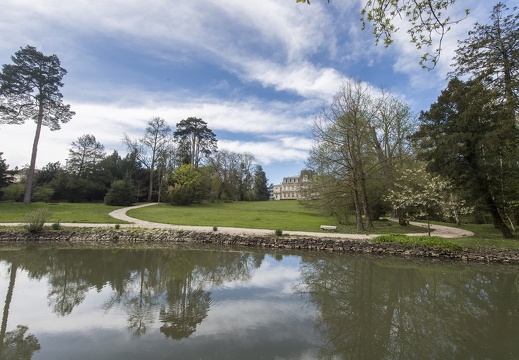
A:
(282, 215)
(430, 241)
(62, 212)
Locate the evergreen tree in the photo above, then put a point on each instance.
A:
(261, 191)
(463, 137)
(30, 89)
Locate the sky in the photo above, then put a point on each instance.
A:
(257, 72)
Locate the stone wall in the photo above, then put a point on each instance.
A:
(106, 237)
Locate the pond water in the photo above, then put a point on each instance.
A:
(231, 303)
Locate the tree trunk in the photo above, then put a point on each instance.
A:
(498, 219)
(358, 211)
(8, 298)
(32, 167)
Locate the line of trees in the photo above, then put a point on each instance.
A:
(180, 167)
(367, 144)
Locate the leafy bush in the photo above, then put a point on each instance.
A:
(430, 241)
(56, 226)
(278, 232)
(120, 193)
(14, 192)
(42, 194)
(36, 219)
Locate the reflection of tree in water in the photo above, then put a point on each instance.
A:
(185, 309)
(388, 310)
(147, 282)
(15, 344)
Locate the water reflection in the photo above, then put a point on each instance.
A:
(132, 303)
(413, 310)
(15, 344)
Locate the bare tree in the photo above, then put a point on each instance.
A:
(150, 147)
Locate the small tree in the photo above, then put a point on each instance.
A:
(185, 189)
(84, 154)
(417, 192)
(121, 193)
(30, 89)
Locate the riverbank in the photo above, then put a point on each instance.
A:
(111, 237)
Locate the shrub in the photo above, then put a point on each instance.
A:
(430, 241)
(42, 194)
(14, 192)
(120, 193)
(117, 226)
(36, 219)
(56, 226)
(278, 232)
(215, 228)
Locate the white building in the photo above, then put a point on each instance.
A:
(290, 188)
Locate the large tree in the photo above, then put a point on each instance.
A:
(427, 22)
(150, 147)
(196, 138)
(463, 137)
(30, 89)
(84, 154)
(491, 53)
(359, 141)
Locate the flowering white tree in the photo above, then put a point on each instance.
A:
(417, 192)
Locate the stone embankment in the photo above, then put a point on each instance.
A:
(110, 237)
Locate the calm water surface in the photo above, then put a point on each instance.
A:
(206, 303)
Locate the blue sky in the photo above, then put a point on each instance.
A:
(256, 71)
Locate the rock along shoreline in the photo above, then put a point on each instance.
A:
(110, 237)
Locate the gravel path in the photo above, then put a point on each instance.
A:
(438, 230)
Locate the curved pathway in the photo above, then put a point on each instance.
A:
(438, 230)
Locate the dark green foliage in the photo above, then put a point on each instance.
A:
(5, 177)
(278, 232)
(42, 193)
(196, 140)
(261, 191)
(13, 192)
(121, 193)
(467, 137)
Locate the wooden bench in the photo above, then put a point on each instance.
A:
(328, 228)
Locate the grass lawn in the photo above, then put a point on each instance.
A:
(283, 215)
(487, 236)
(62, 212)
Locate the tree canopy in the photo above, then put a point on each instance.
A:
(30, 89)
(463, 138)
